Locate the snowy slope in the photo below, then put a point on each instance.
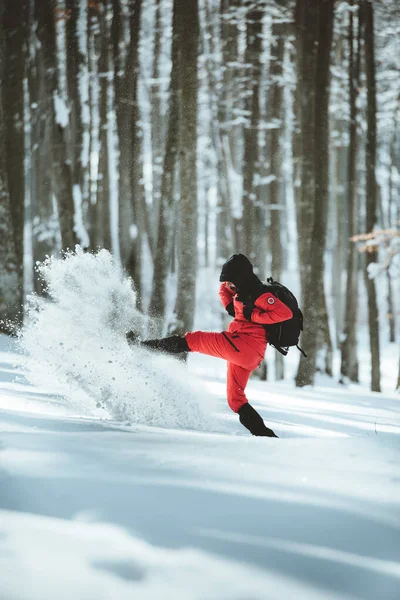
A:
(91, 508)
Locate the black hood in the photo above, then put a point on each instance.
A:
(239, 270)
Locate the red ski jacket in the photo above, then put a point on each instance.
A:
(267, 310)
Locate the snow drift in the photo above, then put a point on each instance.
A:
(75, 340)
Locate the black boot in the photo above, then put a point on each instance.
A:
(132, 338)
(249, 417)
(175, 344)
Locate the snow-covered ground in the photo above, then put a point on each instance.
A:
(123, 474)
(95, 509)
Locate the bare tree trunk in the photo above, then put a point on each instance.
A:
(61, 169)
(13, 107)
(10, 265)
(398, 377)
(307, 44)
(251, 150)
(126, 96)
(349, 362)
(316, 334)
(163, 251)
(226, 134)
(75, 63)
(214, 91)
(45, 225)
(103, 211)
(157, 126)
(391, 303)
(371, 190)
(275, 156)
(188, 35)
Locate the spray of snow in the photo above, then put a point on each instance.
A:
(75, 340)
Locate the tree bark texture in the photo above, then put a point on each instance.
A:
(275, 159)
(103, 209)
(75, 64)
(45, 225)
(61, 169)
(227, 136)
(157, 123)
(316, 338)
(188, 35)
(13, 115)
(10, 265)
(307, 15)
(371, 188)
(13, 105)
(165, 230)
(131, 206)
(349, 362)
(251, 214)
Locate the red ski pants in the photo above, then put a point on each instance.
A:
(240, 350)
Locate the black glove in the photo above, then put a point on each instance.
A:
(248, 304)
(248, 310)
(230, 310)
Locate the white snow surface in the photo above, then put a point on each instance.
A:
(114, 489)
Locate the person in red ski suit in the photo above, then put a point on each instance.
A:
(243, 345)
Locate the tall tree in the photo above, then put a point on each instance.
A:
(45, 14)
(371, 187)
(157, 121)
(13, 106)
(227, 138)
(275, 159)
(315, 22)
(251, 214)
(188, 36)
(162, 257)
(103, 209)
(10, 266)
(42, 219)
(126, 97)
(349, 362)
(77, 90)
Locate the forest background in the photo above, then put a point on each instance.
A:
(176, 132)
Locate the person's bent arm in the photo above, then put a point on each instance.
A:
(226, 295)
(269, 309)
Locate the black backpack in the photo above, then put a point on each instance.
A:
(286, 334)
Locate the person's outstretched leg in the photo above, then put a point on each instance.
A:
(221, 345)
(248, 416)
(175, 344)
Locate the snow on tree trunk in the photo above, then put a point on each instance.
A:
(275, 158)
(157, 122)
(13, 105)
(165, 229)
(348, 347)
(77, 92)
(306, 51)
(45, 13)
(315, 83)
(371, 189)
(10, 267)
(188, 36)
(43, 214)
(103, 211)
(398, 376)
(251, 220)
(126, 98)
(225, 134)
